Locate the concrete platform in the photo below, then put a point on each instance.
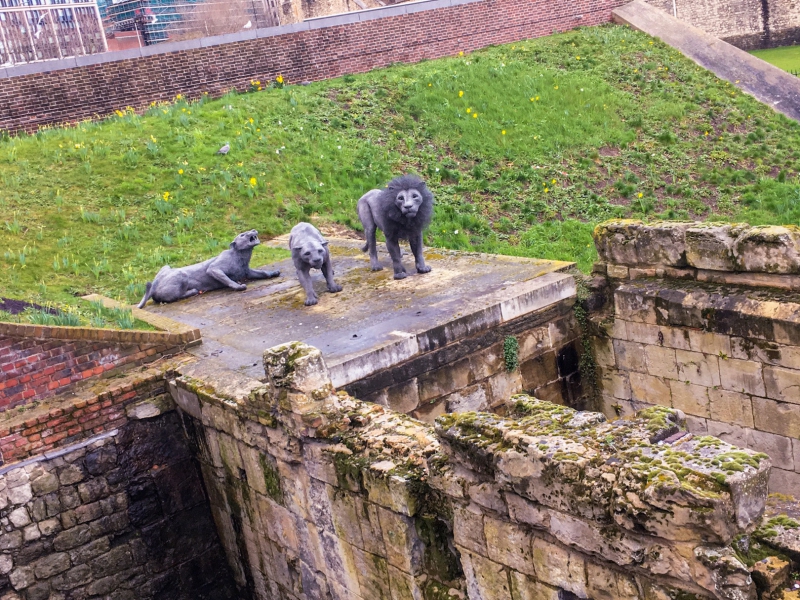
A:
(769, 84)
(375, 322)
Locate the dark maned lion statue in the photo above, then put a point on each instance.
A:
(401, 211)
(310, 251)
(225, 270)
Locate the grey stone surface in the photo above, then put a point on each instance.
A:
(769, 84)
(376, 321)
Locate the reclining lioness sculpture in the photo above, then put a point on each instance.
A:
(225, 270)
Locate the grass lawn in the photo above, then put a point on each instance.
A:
(525, 146)
(786, 57)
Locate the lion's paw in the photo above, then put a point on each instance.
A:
(335, 288)
(401, 275)
(311, 301)
(424, 269)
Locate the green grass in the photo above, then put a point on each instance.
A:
(786, 57)
(76, 313)
(599, 123)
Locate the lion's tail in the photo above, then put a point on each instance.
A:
(147, 294)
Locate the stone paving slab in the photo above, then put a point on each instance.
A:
(769, 84)
(375, 321)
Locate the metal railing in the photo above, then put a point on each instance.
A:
(38, 30)
(174, 20)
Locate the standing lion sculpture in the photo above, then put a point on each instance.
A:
(401, 211)
(225, 270)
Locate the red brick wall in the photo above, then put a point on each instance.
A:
(39, 362)
(47, 428)
(35, 369)
(28, 101)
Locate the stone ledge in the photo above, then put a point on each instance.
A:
(173, 334)
(533, 296)
(738, 254)
(728, 310)
(190, 336)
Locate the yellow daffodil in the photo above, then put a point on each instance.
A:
(553, 182)
(253, 181)
(165, 195)
(474, 115)
(555, 87)
(503, 132)
(639, 195)
(461, 53)
(460, 93)
(546, 190)
(469, 110)
(180, 171)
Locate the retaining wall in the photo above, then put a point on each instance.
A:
(706, 319)
(86, 87)
(318, 495)
(470, 373)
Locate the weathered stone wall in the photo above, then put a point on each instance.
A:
(472, 374)
(748, 24)
(121, 516)
(319, 496)
(706, 319)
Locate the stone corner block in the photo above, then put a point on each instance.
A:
(298, 367)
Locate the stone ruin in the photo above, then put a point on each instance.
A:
(339, 498)
(705, 318)
(191, 479)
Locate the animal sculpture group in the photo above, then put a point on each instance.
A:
(402, 211)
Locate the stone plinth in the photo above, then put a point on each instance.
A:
(460, 312)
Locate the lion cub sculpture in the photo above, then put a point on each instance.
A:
(310, 251)
(224, 270)
(401, 211)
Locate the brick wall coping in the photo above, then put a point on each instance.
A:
(205, 42)
(86, 397)
(60, 452)
(172, 334)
